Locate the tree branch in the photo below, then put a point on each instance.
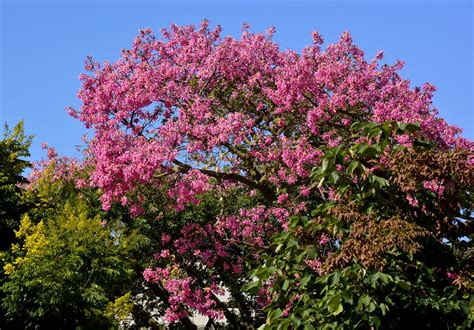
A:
(267, 192)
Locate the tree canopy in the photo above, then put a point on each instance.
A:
(281, 189)
(200, 113)
(14, 148)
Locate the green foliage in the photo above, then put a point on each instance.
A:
(377, 268)
(13, 148)
(67, 268)
(120, 309)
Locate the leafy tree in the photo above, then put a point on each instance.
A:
(68, 267)
(13, 149)
(388, 247)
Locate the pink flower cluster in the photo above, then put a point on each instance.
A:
(183, 296)
(199, 300)
(236, 106)
(412, 200)
(60, 168)
(207, 250)
(191, 184)
(315, 265)
(437, 188)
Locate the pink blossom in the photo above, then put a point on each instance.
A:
(315, 265)
(165, 238)
(305, 191)
(282, 198)
(435, 187)
(324, 240)
(165, 253)
(412, 200)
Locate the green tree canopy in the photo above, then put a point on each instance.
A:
(14, 148)
(68, 266)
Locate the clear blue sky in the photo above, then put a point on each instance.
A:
(44, 44)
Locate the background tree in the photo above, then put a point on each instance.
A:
(72, 265)
(13, 150)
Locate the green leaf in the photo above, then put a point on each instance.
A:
(409, 127)
(278, 248)
(334, 304)
(251, 286)
(404, 285)
(285, 285)
(353, 166)
(311, 251)
(305, 280)
(304, 221)
(364, 301)
(347, 296)
(295, 321)
(335, 278)
(356, 126)
(374, 132)
(383, 308)
(372, 307)
(381, 181)
(386, 278)
(320, 184)
(300, 257)
(274, 315)
(362, 148)
(372, 150)
(324, 165)
(376, 321)
(292, 241)
(423, 143)
(333, 177)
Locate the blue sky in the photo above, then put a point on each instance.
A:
(44, 44)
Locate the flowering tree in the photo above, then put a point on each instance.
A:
(387, 244)
(240, 123)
